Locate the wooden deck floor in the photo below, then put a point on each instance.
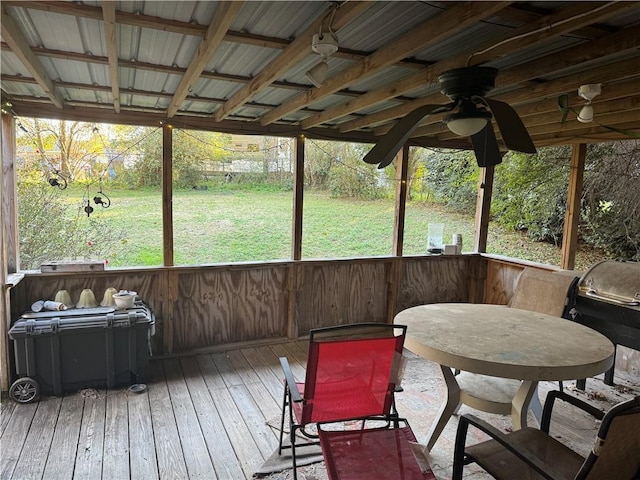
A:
(215, 416)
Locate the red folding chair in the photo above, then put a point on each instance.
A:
(352, 374)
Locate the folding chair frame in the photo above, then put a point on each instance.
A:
(292, 395)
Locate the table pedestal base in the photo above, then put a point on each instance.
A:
(520, 403)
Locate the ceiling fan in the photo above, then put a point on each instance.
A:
(466, 87)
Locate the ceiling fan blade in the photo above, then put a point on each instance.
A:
(514, 133)
(485, 147)
(385, 150)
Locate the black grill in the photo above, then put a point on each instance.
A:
(608, 300)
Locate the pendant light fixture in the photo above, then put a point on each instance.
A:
(588, 92)
(324, 43)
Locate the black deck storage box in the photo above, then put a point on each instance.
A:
(57, 352)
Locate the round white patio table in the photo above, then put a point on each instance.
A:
(499, 341)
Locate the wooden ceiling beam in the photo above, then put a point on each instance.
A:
(613, 113)
(100, 60)
(109, 21)
(150, 118)
(616, 114)
(440, 26)
(601, 118)
(132, 91)
(292, 54)
(223, 17)
(536, 93)
(525, 13)
(621, 97)
(533, 32)
(186, 28)
(613, 44)
(589, 134)
(20, 47)
(547, 94)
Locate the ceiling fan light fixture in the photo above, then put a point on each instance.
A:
(467, 123)
(318, 73)
(586, 114)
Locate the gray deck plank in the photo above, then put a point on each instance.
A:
(91, 439)
(33, 457)
(245, 447)
(194, 447)
(121, 435)
(298, 352)
(262, 435)
(116, 435)
(62, 455)
(297, 368)
(272, 382)
(270, 359)
(226, 369)
(221, 451)
(208, 366)
(142, 452)
(268, 406)
(6, 409)
(14, 435)
(171, 463)
(243, 367)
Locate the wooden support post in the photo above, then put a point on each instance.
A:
(401, 200)
(8, 239)
(167, 194)
(298, 194)
(395, 272)
(483, 209)
(9, 195)
(296, 236)
(572, 215)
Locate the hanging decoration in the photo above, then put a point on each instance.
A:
(57, 179)
(88, 209)
(102, 198)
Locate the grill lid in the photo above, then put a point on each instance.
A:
(612, 281)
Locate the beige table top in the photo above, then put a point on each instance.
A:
(505, 342)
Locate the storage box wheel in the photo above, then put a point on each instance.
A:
(24, 390)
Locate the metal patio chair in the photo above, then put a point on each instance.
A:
(551, 293)
(535, 454)
(352, 374)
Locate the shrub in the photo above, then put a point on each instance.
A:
(52, 229)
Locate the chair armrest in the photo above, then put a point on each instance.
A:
(504, 440)
(581, 404)
(290, 381)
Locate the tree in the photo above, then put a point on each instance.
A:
(611, 199)
(530, 193)
(193, 155)
(52, 229)
(338, 167)
(451, 177)
(70, 148)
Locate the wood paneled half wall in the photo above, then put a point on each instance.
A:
(203, 307)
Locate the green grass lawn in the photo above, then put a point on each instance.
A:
(214, 226)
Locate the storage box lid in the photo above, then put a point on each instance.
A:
(613, 281)
(42, 323)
